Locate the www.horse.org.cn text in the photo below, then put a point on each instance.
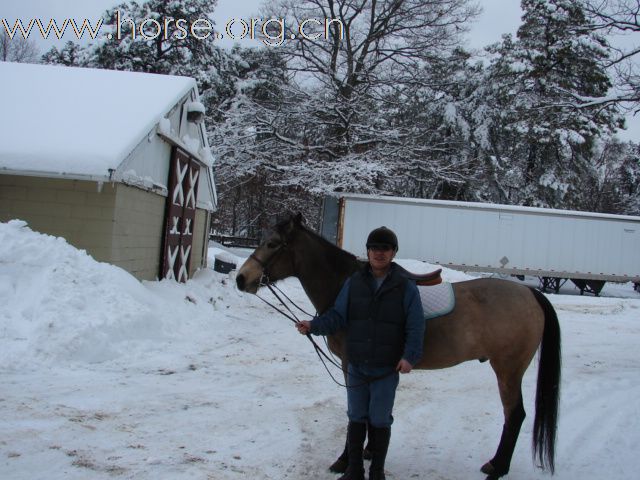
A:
(273, 32)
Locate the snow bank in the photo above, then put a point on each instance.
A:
(59, 304)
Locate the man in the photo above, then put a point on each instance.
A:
(381, 311)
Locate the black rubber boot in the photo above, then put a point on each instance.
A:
(356, 434)
(380, 444)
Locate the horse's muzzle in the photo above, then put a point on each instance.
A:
(241, 282)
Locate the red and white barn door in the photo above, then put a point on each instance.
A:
(180, 216)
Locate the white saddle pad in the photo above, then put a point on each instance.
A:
(437, 300)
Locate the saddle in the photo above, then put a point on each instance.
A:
(437, 297)
(423, 279)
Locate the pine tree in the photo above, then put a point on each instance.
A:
(145, 48)
(71, 55)
(556, 58)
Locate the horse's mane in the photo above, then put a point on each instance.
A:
(327, 243)
(337, 257)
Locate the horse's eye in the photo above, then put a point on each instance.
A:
(272, 244)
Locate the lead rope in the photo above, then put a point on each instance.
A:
(322, 355)
(272, 286)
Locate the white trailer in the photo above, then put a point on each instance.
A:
(554, 245)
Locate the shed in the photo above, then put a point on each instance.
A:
(115, 162)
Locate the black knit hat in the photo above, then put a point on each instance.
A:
(382, 236)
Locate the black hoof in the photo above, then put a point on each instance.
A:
(491, 472)
(487, 468)
(340, 465)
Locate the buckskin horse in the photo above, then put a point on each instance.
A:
(493, 319)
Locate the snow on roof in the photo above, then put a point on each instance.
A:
(79, 121)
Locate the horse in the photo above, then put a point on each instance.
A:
(493, 319)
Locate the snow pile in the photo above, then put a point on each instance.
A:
(59, 304)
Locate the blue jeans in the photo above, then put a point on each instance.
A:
(371, 402)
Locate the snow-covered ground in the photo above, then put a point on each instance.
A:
(105, 377)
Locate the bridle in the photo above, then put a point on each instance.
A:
(265, 281)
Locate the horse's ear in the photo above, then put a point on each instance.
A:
(288, 227)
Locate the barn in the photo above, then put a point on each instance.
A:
(115, 162)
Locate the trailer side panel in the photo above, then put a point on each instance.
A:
(499, 238)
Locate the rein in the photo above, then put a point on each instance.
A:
(322, 355)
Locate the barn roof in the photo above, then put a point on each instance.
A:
(79, 121)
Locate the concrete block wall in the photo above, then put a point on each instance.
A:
(138, 230)
(80, 211)
(114, 223)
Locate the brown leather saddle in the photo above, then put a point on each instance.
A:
(423, 279)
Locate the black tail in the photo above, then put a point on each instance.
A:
(548, 389)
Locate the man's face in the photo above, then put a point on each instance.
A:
(380, 256)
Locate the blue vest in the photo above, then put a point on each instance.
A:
(376, 325)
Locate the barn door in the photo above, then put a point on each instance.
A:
(180, 216)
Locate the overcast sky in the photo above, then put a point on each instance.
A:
(498, 17)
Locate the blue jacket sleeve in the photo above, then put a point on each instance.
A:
(415, 324)
(335, 318)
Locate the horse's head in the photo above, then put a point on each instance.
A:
(273, 259)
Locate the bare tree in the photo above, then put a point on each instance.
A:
(370, 42)
(358, 55)
(17, 49)
(620, 17)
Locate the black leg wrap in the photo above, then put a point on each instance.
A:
(499, 465)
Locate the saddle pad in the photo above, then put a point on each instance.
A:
(437, 300)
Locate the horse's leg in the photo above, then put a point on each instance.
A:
(514, 414)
